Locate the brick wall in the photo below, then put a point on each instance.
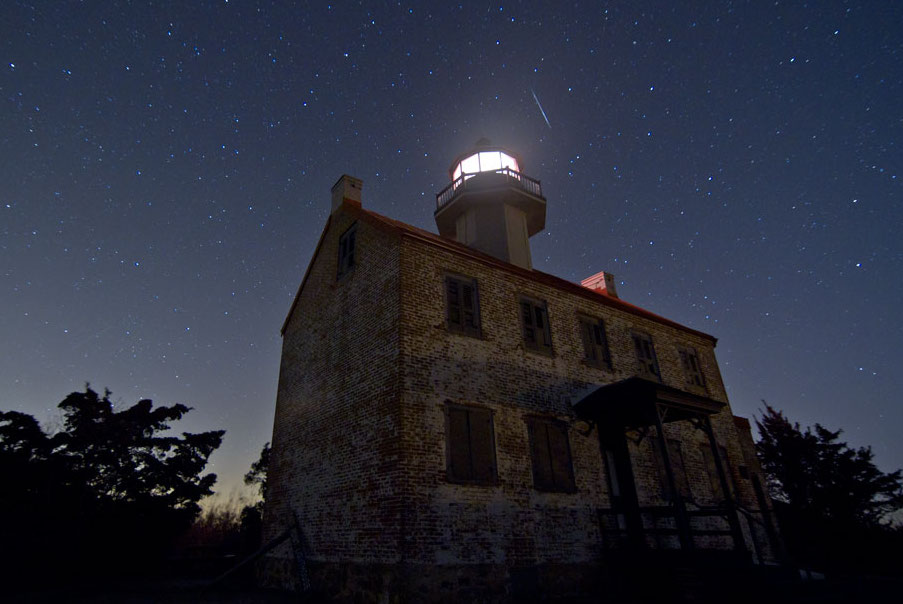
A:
(359, 439)
(512, 523)
(336, 432)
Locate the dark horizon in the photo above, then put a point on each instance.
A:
(167, 170)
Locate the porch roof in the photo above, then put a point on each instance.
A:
(633, 403)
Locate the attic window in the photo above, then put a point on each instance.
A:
(346, 251)
(462, 306)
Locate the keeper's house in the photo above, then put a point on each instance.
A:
(452, 424)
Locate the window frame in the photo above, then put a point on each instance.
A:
(474, 330)
(644, 363)
(601, 351)
(450, 473)
(693, 376)
(559, 482)
(345, 257)
(535, 305)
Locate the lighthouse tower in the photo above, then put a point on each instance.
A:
(490, 205)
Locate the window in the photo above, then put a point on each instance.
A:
(692, 369)
(346, 250)
(470, 445)
(645, 356)
(595, 343)
(462, 306)
(675, 454)
(552, 468)
(535, 323)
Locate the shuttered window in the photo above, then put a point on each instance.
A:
(535, 324)
(647, 363)
(346, 250)
(462, 305)
(470, 445)
(692, 370)
(595, 342)
(551, 454)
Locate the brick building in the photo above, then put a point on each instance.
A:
(453, 424)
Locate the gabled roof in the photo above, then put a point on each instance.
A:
(406, 230)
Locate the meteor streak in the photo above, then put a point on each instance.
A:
(538, 104)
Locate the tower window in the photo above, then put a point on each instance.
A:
(595, 342)
(535, 324)
(551, 454)
(647, 363)
(462, 306)
(692, 370)
(470, 445)
(346, 250)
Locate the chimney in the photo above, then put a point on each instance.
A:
(346, 188)
(603, 282)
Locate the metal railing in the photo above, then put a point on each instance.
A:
(512, 177)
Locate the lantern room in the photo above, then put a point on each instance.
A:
(490, 205)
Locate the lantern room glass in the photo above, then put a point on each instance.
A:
(484, 161)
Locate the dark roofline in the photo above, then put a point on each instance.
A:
(407, 230)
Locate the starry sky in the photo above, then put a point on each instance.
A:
(165, 171)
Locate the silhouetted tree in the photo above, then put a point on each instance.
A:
(252, 515)
(257, 475)
(834, 503)
(104, 494)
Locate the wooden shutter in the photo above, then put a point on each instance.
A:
(453, 302)
(601, 341)
(698, 378)
(458, 446)
(471, 315)
(482, 445)
(586, 333)
(350, 258)
(645, 354)
(542, 460)
(560, 454)
(529, 325)
(542, 325)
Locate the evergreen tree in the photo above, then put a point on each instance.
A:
(105, 494)
(835, 505)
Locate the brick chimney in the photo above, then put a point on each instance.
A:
(603, 282)
(346, 188)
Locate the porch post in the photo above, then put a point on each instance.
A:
(732, 518)
(615, 440)
(680, 512)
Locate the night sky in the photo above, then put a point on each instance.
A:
(165, 172)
